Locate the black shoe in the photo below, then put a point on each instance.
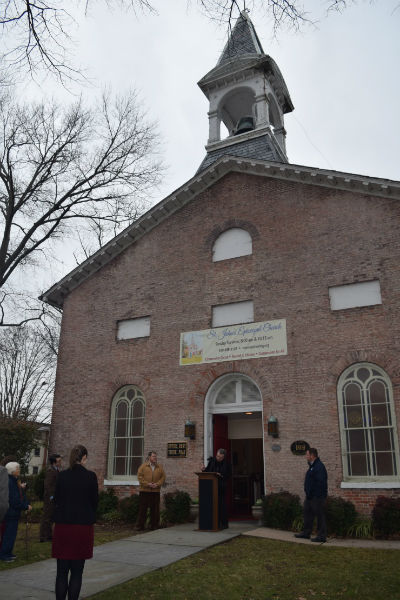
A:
(319, 539)
(302, 535)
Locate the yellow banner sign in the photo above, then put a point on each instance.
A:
(235, 342)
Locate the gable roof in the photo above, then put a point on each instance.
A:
(335, 180)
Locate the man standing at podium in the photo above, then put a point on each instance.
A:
(220, 465)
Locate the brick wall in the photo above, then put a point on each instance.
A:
(305, 239)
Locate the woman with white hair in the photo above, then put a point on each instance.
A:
(17, 502)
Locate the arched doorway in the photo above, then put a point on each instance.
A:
(233, 420)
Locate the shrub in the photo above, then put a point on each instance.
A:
(177, 507)
(280, 510)
(362, 528)
(386, 515)
(341, 515)
(112, 516)
(298, 523)
(108, 501)
(38, 484)
(129, 508)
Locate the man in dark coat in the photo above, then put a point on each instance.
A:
(316, 490)
(3, 492)
(219, 464)
(46, 522)
(3, 498)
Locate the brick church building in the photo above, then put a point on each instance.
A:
(256, 308)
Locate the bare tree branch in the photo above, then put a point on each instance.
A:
(39, 36)
(68, 169)
(27, 371)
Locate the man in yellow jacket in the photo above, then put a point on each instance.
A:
(151, 477)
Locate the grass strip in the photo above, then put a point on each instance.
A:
(248, 568)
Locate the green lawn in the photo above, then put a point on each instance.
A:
(28, 548)
(259, 569)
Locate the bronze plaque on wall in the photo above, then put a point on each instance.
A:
(176, 449)
(300, 447)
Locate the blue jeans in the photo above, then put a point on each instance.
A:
(9, 535)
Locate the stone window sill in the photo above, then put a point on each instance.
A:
(116, 482)
(371, 485)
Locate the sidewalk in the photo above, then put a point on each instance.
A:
(331, 542)
(117, 562)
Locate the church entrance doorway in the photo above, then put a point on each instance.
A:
(233, 420)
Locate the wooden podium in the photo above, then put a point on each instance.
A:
(208, 501)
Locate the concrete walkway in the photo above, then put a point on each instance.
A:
(288, 536)
(117, 562)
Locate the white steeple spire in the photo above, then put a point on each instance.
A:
(248, 94)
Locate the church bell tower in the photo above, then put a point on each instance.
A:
(248, 94)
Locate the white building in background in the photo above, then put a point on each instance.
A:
(38, 458)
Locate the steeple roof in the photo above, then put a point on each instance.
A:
(243, 40)
(246, 83)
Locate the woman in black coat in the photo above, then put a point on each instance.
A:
(75, 502)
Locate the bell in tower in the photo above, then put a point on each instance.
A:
(244, 124)
(247, 93)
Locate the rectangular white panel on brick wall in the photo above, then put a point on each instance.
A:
(232, 314)
(133, 328)
(367, 293)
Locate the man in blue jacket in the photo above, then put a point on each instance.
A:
(3, 492)
(316, 490)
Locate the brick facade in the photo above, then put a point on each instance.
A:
(305, 239)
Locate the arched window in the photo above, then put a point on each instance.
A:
(231, 244)
(126, 433)
(368, 427)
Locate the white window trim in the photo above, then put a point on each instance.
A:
(373, 481)
(122, 479)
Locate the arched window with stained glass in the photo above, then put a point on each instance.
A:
(126, 447)
(368, 425)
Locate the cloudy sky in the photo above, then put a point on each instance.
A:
(342, 75)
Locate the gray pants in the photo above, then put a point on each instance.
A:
(315, 507)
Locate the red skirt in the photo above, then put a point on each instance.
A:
(73, 542)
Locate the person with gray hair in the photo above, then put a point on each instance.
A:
(220, 465)
(17, 503)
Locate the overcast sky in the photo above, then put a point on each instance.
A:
(342, 75)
